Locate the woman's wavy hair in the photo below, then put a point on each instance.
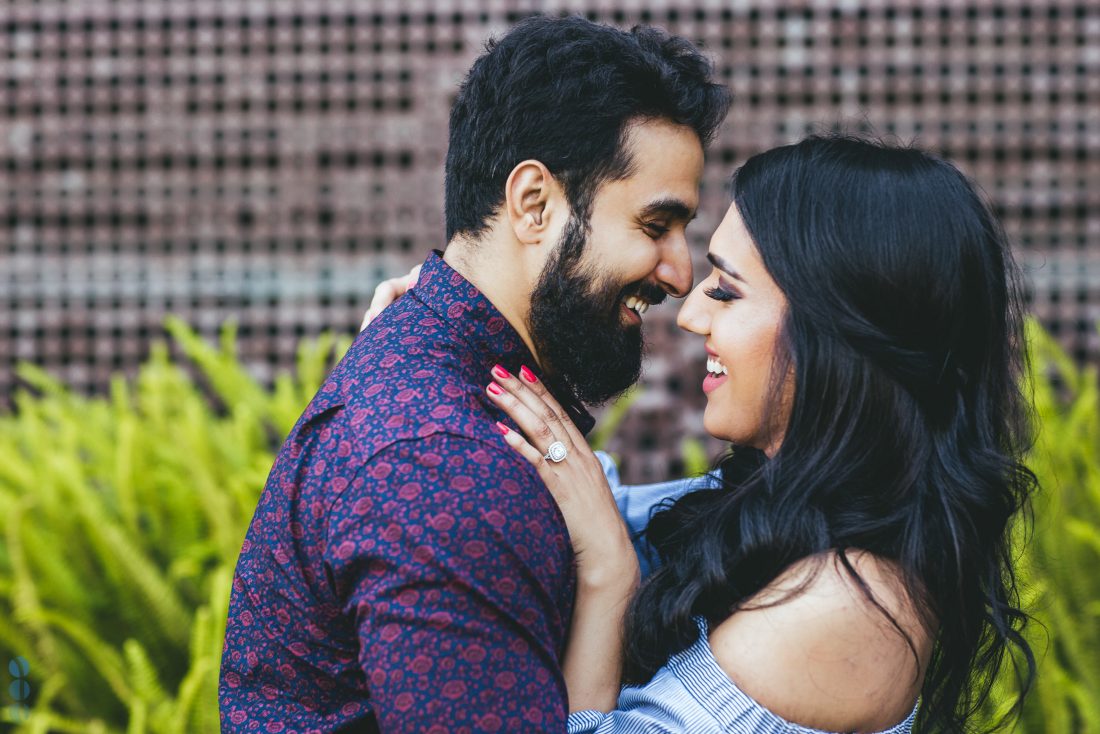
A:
(903, 331)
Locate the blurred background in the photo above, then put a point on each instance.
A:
(270, 162)
(167, 168)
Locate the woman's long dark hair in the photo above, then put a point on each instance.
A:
(904, 334)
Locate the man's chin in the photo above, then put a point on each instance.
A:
(609, 376)
(594, 352)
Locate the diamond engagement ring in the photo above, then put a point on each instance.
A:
(556, 452)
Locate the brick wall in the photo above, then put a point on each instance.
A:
(270, 162)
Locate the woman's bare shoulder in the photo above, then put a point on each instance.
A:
(813, 649)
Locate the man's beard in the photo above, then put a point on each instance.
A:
(576, 324)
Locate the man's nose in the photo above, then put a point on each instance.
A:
(674, 269)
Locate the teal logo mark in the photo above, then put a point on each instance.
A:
(20, 688)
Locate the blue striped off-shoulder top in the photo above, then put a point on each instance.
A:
(691, 693)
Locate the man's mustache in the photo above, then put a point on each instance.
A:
(652, 294)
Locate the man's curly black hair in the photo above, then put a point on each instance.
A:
(564, 91)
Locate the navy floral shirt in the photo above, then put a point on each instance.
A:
(405, 570)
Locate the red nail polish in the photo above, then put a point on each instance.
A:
(495, 389)
(528, 374)
(500, 372)
(502, 428)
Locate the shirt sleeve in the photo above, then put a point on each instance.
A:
(638, 502)
(661, 717)
(453, 562)
(597, 722)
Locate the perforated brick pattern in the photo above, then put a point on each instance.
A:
(270, 162)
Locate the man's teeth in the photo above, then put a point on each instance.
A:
(636, 304)
(715, 367)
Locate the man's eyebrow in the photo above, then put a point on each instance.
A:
(669, 207)
(725, 267)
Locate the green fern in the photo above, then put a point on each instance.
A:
(1055, 565)
(120, 523)
(121, 518)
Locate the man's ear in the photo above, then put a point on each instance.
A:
(532, 200)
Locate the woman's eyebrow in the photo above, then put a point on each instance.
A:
(725, 267)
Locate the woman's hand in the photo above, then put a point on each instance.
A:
(601, 542)
(607, 567)
(389, 291)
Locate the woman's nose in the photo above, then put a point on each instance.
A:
(692, 316)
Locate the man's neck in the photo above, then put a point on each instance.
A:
(490, 273)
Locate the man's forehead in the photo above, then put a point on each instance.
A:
(666, 169)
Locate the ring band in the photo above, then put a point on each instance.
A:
(556, 453)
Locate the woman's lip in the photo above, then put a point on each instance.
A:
(712, 382)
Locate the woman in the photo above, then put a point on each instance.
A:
(850, 555)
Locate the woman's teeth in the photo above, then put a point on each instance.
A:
(715, 366)
(636, 304)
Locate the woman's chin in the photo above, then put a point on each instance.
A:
(715, 425)
(719, 426)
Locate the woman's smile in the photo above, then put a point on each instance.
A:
(717, 373)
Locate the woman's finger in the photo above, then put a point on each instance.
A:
(389, 291)
(533, 393)
(540, 433)
(524, 447)
(385, 294)
(367, 318)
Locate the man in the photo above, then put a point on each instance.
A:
(405, 570)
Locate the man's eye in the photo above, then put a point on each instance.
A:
(656, 231)
(721, 294)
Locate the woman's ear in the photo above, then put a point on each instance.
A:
(532, 199)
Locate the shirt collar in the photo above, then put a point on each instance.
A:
(456, 300)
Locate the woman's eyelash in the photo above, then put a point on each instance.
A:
(721, 294)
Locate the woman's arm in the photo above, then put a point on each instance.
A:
(607, 567)
(637, 503)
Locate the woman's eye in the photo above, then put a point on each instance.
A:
(720, 294)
